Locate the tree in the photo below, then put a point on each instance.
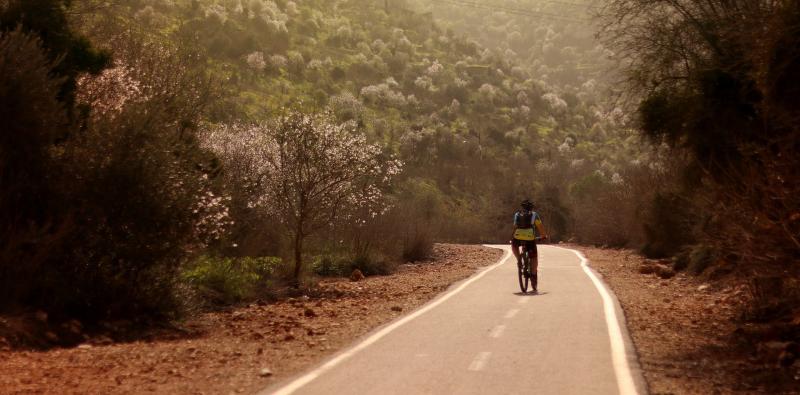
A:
(70, 52)
(306, 171)
(719, 79)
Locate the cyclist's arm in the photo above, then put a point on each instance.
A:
(514, 228)
(540, 227)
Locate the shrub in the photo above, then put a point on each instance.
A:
(668, 225)
(419, 247)
(109, 214)
(30, 229)
(70, 53)
(371, 265)
(368, 264)
(328, 266)
(231, 280)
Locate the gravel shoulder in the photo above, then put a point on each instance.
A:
(245, 349)
(685, 329)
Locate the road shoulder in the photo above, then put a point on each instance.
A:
(684, 328)
(246, 349)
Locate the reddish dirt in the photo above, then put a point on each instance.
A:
(686, 330)
(225, 352)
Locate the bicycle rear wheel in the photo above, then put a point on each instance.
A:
(522, 265)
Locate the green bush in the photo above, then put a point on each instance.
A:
(231, 280)
(369, 265)
(328, 266)
(668, 225)
(419, 248)
(104, 213)
(695, 258)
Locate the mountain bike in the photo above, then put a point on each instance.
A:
(524, 270)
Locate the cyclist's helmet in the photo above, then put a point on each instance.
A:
(527, 204)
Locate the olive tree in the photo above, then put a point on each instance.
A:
(306, 171)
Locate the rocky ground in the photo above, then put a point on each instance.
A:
(242, 350)
(688, 332)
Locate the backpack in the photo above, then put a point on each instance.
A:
(524, 219)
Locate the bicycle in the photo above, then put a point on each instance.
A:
(524, 270)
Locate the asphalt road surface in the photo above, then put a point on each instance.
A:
(483, 336)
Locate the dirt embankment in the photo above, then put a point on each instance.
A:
(245, 349)
(687, 332)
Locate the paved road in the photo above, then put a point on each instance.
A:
(485, 337)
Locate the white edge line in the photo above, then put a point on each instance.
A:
(480, 361)
(310, 376)
(619, 357)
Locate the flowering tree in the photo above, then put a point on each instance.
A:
(305, 170)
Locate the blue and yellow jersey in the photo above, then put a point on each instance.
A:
(526, 231)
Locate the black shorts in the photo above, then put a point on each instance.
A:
(529, 244)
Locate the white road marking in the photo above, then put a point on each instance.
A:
(310, 376)
(480, 361)
(523, 300)
(497, 331)
(618, 354)
(511, 313)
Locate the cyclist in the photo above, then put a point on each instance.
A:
(528, 228)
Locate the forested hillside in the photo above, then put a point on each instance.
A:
(477, 128)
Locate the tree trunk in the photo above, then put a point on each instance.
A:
(298, 257)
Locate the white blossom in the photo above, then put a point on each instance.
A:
(278, 61)
(425, 82)
(383, 94)
(435, 68)
(305, 170)
(256, 61)
(554, 101)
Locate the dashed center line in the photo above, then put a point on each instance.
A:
(497, 331)
(511, 313)
(480, 361)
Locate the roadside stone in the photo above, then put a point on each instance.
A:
(74, 327)
(309, 313)
(356, 275)
(703, 287)
(51, 336)
(664, 272)
(397, 308)
(40, 316)
(647, 269)
(265, 372)
(102, 340)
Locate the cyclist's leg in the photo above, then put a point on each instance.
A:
(515, 248)
(533, 252)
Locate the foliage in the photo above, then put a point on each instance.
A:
(342, 266)
(119, 200)
(69, 52)
(228, 280)
(716, 77)
(29, 228)
(468, 116)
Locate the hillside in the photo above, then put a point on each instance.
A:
(477, 128)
